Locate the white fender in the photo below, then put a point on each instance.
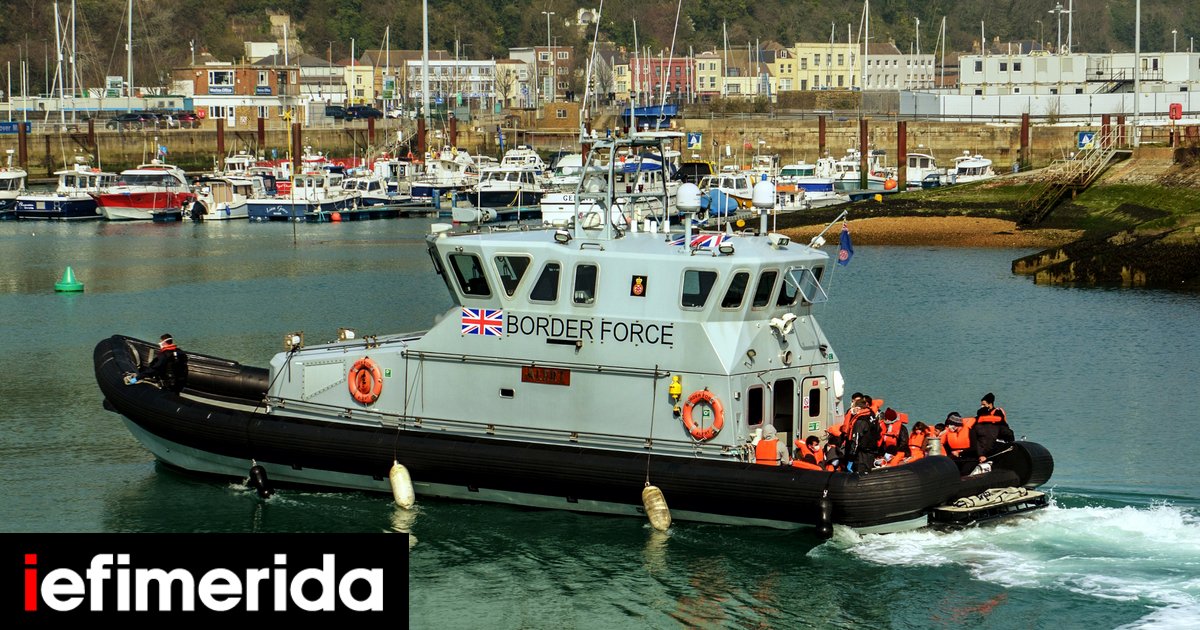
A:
(402, 486)
(656, 508)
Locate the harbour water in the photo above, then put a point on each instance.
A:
(1103, 378)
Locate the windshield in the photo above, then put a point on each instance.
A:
(147, 180)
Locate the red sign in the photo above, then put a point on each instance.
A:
(1176, 111)
(545, 375)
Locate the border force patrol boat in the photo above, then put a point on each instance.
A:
(607, 360)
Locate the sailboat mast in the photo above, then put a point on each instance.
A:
(74, 69)
(425, 64)
(129, 58)
(58, 68)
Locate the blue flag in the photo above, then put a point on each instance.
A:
(845, 249)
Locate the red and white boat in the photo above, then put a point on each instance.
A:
(150, 192)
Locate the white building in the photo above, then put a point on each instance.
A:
(890, 69)
(453, 81)
(1040, 73)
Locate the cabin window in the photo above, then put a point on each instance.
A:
(783, 403)
(511, 269)
(469, 273)
(814, 400)
(585, 284)
(754, 405)
(697, 284)
(788, 292)
(762, 293)
(546, 287)
(736, 291)
(808, 282)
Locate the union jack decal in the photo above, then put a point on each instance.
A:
(709, 241)
(488, 322)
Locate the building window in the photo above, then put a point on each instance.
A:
(841, 60)
(543, 56)
(1054, 90)
(220, 82)
(979, 66)
(804, 63)
(816, 61)
(840, 79)
(1016, 90)
(262, 78)
(978, 92)
(1016, 66)
(562, 54)
(1003, 66)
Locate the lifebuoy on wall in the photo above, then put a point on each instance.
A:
(366, 381)
(700, 433)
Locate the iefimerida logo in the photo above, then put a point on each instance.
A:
(48, 579)
(144, 582)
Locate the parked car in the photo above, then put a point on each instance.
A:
(188, 120)
(363, 111)
(402, 113)
(336, 112)
(129, 120)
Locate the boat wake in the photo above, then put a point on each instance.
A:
(1147, 555)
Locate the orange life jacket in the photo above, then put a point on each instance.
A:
(766, 452)
(960, 439)
(848, 423)
(876, 403)
(992, 418)
(818, 455)
(891, 432)
(916, 449)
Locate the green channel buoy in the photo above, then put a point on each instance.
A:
(68, 282)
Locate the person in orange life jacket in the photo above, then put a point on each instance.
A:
(957, 443)
(987, 407)
(809, 454)
(893, 435)
(169, 366)
(862, 445)
(856, 401)
(834, 446)
(916, 445)
(770, 450)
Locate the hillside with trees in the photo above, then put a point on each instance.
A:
(164, 33)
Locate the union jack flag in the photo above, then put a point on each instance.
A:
(488, 322)
(709, 241)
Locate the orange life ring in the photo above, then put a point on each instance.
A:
(366, 381)
(699, 433)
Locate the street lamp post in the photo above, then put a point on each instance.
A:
(553, 82)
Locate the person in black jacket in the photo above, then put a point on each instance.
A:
(987, 407)
(169, 366)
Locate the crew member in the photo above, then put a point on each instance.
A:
(987, 407)
(169, 366)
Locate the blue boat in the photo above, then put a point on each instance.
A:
(73, 199)
(311, 197)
